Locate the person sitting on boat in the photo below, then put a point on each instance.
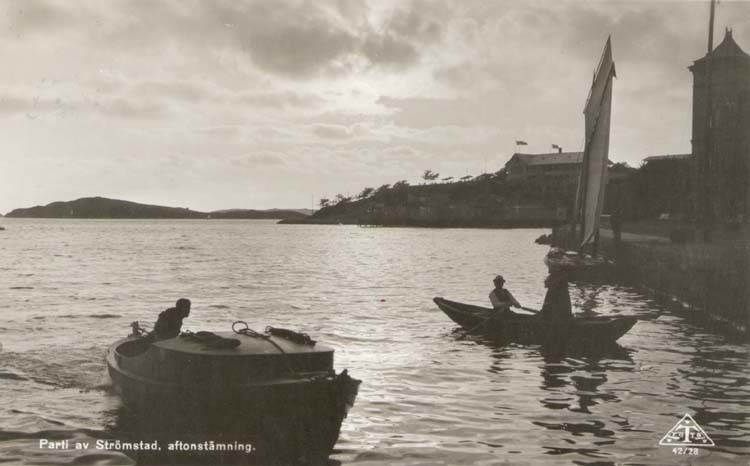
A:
(169, 323)
(500, 297)
(557, 300)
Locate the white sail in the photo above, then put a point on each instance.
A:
(594, 168)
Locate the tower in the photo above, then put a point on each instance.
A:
(721, 134)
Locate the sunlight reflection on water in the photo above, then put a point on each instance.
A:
(430, 394)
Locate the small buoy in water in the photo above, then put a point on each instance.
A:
(382, 300)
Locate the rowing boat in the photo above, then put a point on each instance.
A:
(531, 329)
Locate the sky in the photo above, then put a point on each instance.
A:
(277, 103)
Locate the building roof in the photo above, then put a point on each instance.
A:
(551, 158)
(656, 158)
(727, 48)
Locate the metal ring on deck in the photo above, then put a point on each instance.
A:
(247, 327)
(247, 331)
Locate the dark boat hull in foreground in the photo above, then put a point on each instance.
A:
(531, 329)
(288, 405)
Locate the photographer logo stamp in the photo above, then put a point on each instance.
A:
(685, 435)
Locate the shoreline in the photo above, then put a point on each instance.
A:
(500, 225)
(709, 281)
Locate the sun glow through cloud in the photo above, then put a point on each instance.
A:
(262, 104)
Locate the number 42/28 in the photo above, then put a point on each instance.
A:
(686, 451)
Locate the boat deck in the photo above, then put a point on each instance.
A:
(249, 346)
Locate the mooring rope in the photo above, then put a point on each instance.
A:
(248, 332)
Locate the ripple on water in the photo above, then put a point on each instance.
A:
(430, 394)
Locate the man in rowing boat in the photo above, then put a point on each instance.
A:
(500, 297)
(557, 300)
(169, 323)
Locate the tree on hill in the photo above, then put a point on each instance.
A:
(400, 184)
(429, 175)
(465, 178)
(448, 178)
(367, 192)
(382, 189)
(324, 202)
(340, 199)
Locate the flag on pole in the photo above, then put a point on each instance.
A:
(521, 143)
(555, 146)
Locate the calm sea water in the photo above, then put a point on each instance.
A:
(431, 395)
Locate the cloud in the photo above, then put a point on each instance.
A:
(181, 91)
(129, 109)
(331, 131)
(420, 21)
(434, 112)
(34, 106)
(32, 16)
(279, 99)
(310, 39)
(220, 132)
(347, 93)
(388, 50)
(260, 160)
(11, 105)
(295, 42)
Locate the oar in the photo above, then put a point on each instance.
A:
(494, 314)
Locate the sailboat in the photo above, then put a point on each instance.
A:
(592, 180)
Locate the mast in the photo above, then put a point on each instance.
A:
(593, 177)
(711, 27)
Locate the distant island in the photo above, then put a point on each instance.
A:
(102, 207)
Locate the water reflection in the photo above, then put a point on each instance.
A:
(713, 377)
(432, 397)
(583, 373)
(175, 447)
(573, 381)
(583, 369)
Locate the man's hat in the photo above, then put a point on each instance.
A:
(499, 278)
